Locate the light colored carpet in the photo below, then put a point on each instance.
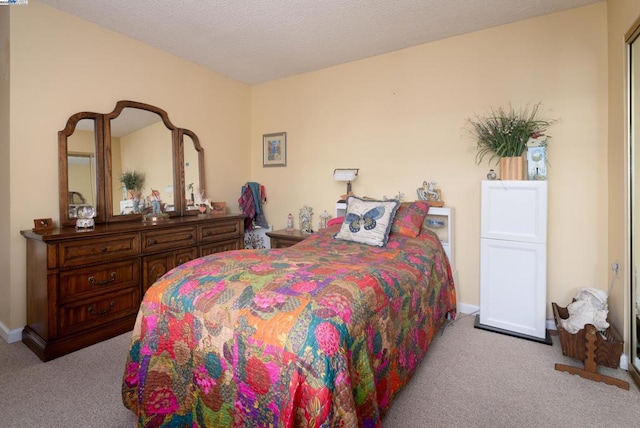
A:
(470, 378)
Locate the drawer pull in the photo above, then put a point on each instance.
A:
(152, 242)
(103, 249)
(92, 311)
(93, 281)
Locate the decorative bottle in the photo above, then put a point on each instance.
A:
(289, 222)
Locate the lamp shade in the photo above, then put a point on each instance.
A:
(345, 174)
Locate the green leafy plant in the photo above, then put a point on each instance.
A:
(132, 180)
(506, 131)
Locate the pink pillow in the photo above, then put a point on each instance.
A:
(337, 220)
(409, 218)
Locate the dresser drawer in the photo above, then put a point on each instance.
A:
(218, 247)
(96, 280)
(85, 314)
(220, 231)
(83, 252)
(167, 239)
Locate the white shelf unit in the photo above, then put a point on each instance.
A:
(443, 215)
(513, 259)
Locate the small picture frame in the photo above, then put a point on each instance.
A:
(274, 149)
(42, 224)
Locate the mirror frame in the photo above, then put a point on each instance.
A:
(183, 183)
(104, 187)
(63, 171)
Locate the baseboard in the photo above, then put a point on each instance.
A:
(465, 308)
(10, 336)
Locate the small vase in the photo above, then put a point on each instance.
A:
(512, 168)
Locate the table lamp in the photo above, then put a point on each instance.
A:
(348, 175)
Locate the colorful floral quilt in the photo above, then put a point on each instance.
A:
(324, 333)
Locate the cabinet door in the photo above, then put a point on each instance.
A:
(513, 286)
(183, 256)
(514, 210)
(153, 267)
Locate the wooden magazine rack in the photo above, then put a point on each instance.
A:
(591, 347)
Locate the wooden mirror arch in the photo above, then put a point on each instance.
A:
(133, 137)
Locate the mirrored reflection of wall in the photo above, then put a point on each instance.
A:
(81, 164)
(81, 170)
(191, 171)
(148, 151)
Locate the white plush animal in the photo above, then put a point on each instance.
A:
(590, 307)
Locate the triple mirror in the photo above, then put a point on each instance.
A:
(127, 164)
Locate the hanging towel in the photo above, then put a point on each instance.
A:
(251, 200)
(248, 207)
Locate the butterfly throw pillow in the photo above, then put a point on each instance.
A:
(367, 222)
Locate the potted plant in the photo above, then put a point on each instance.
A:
(504, 134)
(133, 183)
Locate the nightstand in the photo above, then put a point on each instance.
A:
(284, 238)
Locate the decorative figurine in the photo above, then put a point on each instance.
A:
(324, 218)
(398, 197)
(305, 219)
(289, 222)
(156, 202)
(428, 192)
(202, 202)
(491, 175)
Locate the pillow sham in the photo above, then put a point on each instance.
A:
(337, 220)
(409, 218)
(367, 222)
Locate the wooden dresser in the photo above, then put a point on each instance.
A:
(85, 286)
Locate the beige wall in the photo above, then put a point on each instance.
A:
(621, 14)
(61, 65)
(399, 117)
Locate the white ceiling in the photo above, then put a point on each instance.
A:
(255, 41)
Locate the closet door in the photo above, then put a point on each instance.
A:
(633, 40)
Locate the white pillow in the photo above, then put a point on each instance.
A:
(368, 222)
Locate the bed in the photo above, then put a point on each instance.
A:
(324, 333)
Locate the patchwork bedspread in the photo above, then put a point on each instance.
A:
(323, 333)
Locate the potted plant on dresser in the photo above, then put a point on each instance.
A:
(504, 133)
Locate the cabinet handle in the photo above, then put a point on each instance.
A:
(92, 311)
(103, 249)
(92, 280)
(152, 242)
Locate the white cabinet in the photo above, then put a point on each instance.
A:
(513, 259)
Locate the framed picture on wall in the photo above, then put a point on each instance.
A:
(274, 149)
